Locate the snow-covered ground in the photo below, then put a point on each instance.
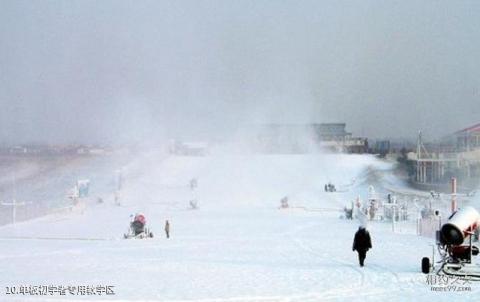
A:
(238, 246)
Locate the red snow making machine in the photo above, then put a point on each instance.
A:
(138, 228)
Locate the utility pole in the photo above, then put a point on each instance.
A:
(393, 219)
(14, 205)
(454, 195)
(14, 202)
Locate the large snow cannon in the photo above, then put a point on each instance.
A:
(138, 224)
(456, 254)
(459, 226)
(138, 228)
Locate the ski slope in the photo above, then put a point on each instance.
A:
(238, 246)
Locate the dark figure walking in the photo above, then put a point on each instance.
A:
(167, 229)
(362, 243)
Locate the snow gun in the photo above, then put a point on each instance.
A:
(455, 246)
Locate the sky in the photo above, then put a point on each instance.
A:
(126, 71)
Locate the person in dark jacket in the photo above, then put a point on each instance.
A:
(362, 243)
(167, 229)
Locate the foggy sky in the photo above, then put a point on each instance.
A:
(117, 71)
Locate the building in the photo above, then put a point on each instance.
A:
(188, 148)
(468, 139)
(382, 147)
(298, 138)
(330, 132)
(457, 156)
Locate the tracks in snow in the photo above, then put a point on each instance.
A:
(372, 274)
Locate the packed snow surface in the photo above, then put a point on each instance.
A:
(237, 246)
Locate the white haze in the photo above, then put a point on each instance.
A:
(143, 71)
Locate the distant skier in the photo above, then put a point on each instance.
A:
(362, 243)
(284, 202)
(167, 229)
(193, 204)
(348, 213)
(193, 183)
